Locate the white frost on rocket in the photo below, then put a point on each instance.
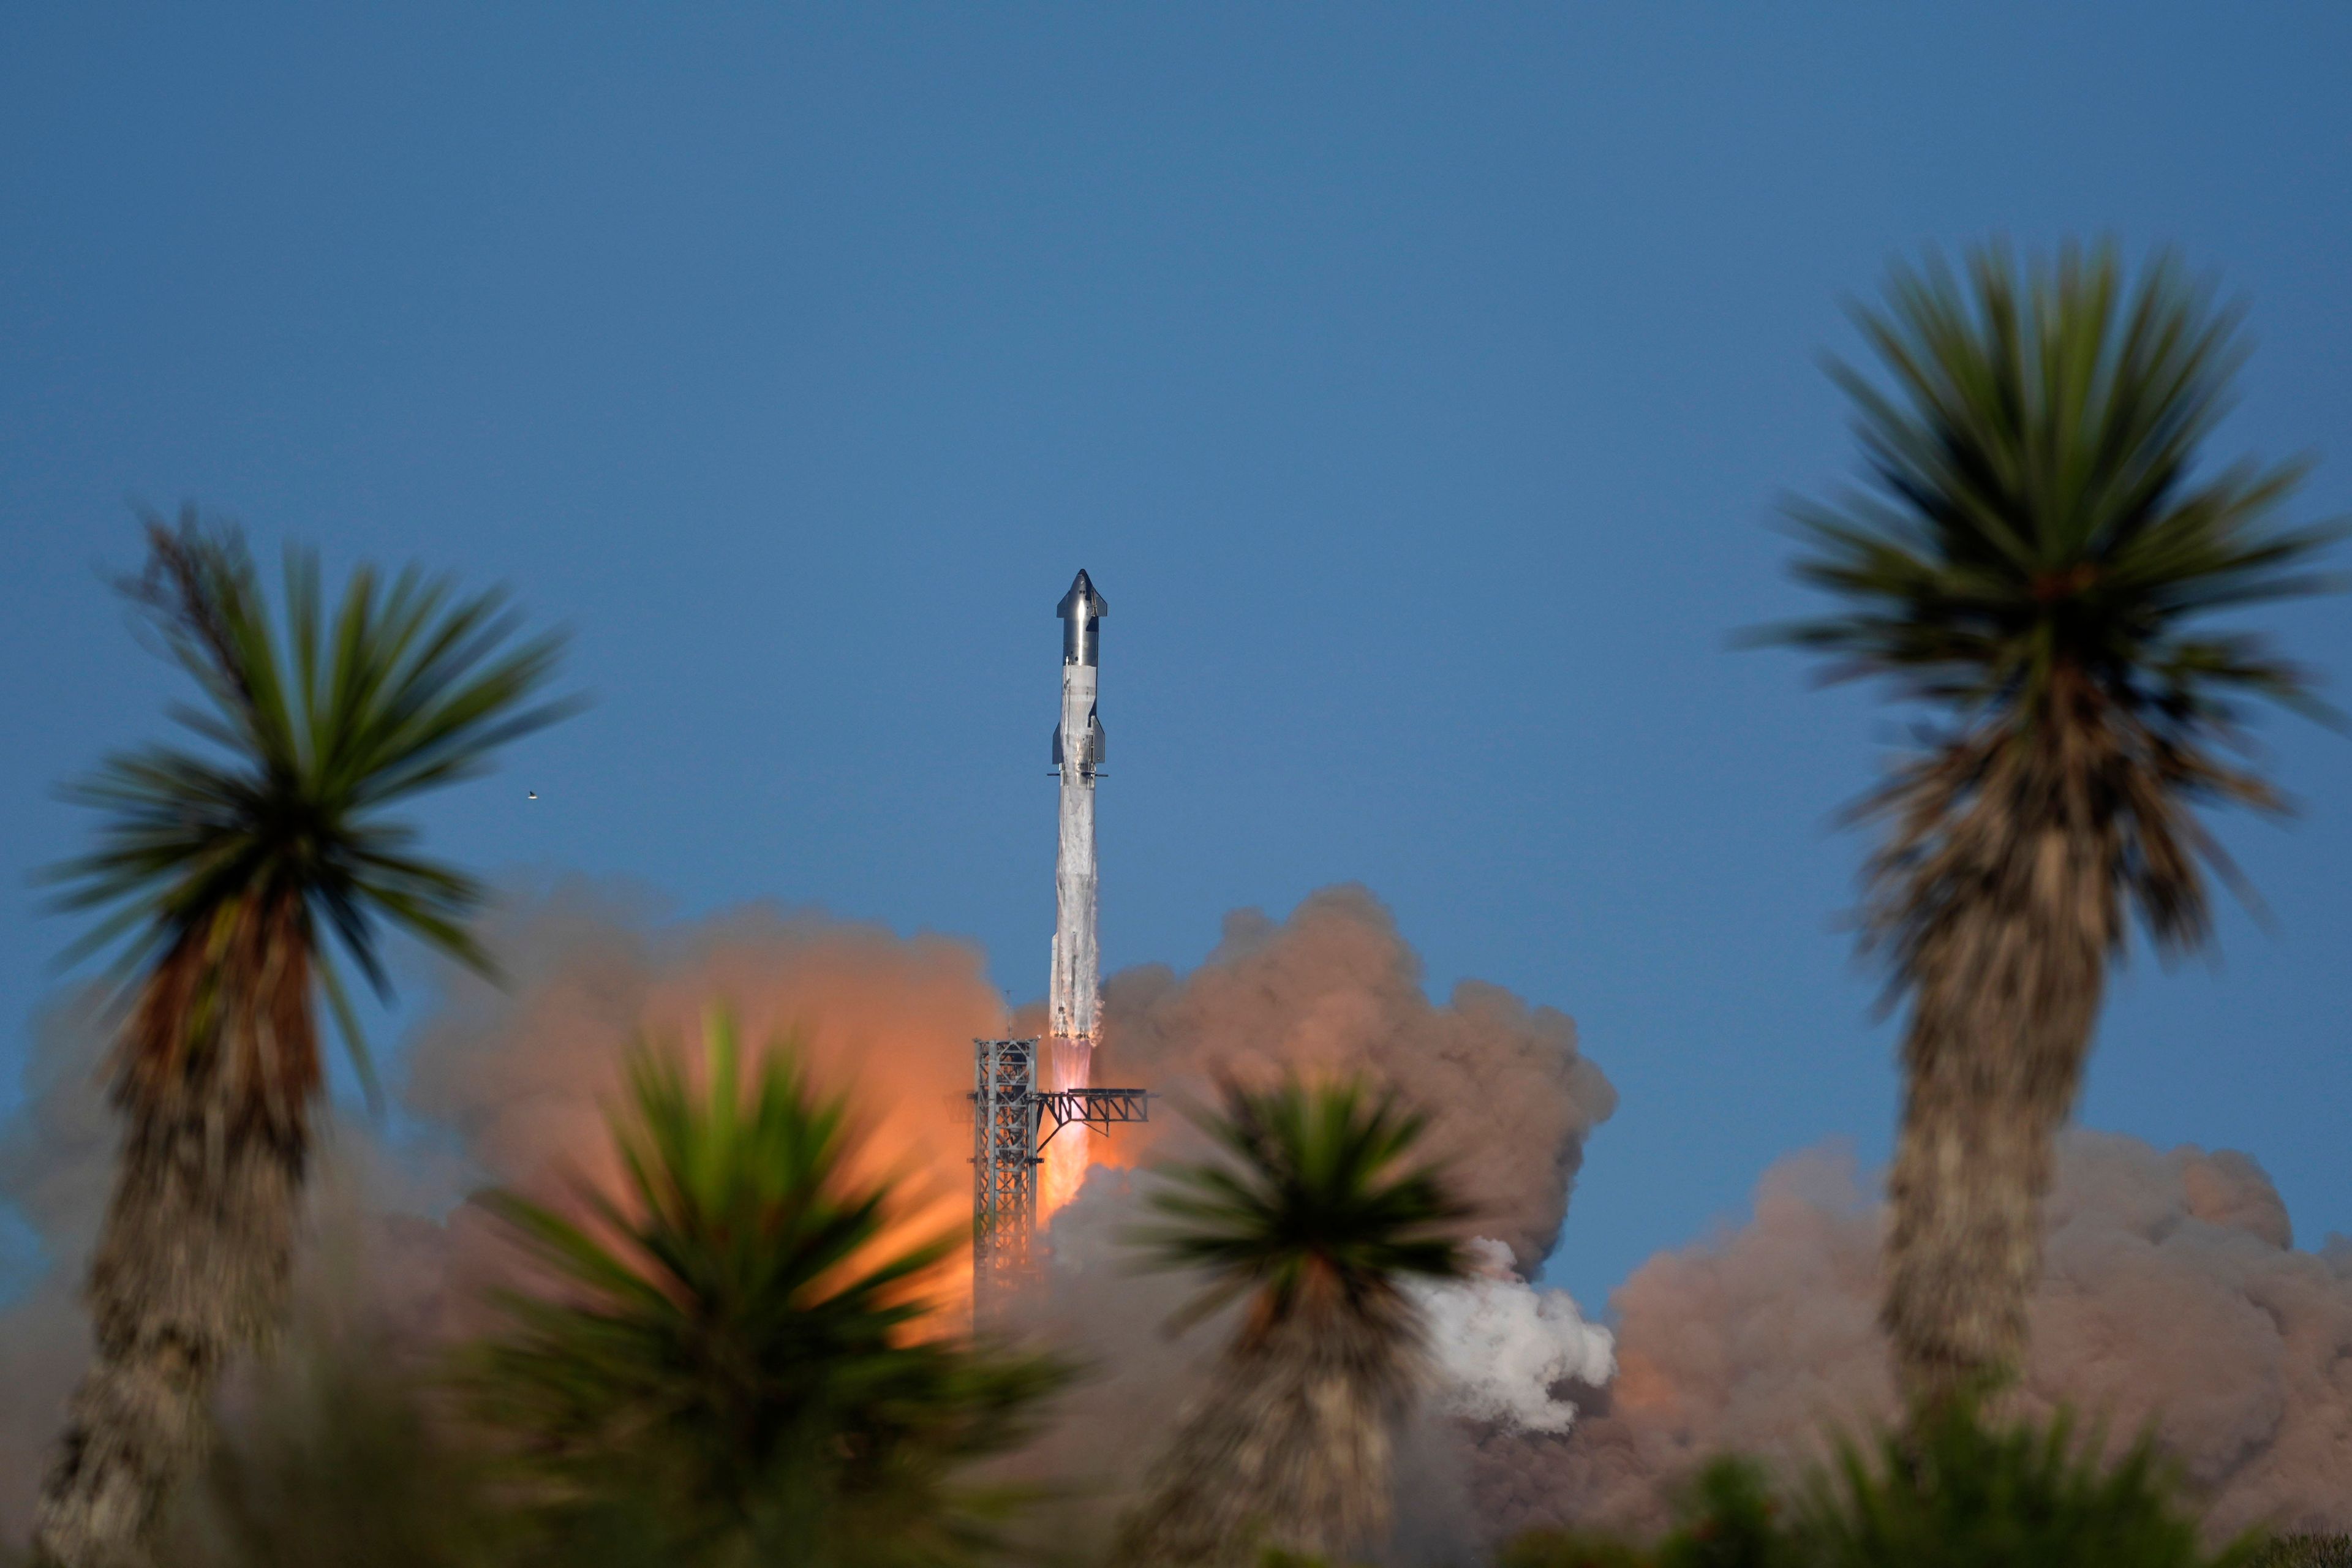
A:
(1504, 1347)
(1075, 992)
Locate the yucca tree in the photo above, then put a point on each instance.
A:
(738, 1355)
(2033, 562)
(1954, 1490)
(1316, 1215)
(231, 872)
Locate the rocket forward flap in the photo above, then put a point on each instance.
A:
(1082, 600)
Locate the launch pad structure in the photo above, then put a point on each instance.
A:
(1013, 1120)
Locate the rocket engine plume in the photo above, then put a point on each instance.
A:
(1075, 995)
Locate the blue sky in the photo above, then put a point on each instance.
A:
(1416, 383)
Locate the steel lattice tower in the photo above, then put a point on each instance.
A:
(1012, 1121)
(1005, 1162)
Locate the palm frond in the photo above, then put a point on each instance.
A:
(2035, 494)
(312, 724)
(740, 1325)
(2036, 552)
(1318, 1187)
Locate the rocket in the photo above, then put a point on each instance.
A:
(1077, 755)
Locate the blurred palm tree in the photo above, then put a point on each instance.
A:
(1314, 1218)
(2040, 536)
(739, 1360)
(1955, 1490)
(226, 871)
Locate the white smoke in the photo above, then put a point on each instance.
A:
(1505, 1349)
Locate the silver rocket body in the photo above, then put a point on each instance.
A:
(1078, 749)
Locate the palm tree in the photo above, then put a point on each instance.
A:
(226, 870)
(2038, 543)
(1317, 1215)
(738, 1360)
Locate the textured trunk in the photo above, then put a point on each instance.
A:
(1289, 1450)
(214, 1075)
(2008, 980)
(192, 1268)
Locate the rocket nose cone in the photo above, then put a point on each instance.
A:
(1082, 597)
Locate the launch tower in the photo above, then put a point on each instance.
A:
(1014, 1123)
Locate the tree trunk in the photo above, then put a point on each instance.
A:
(2008, 983)
(190, 1268)
(1289, 1448)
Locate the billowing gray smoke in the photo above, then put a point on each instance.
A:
(509, 1087)
(54, 1157)
(2174, 1295)
(522, 1077)
(2173, 1284)
(1333, 989)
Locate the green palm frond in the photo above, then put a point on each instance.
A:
(2036, 501)
(1959, 1489)
(2037, 554)
(742, 1331)
(1319, 1188)
(311, 726)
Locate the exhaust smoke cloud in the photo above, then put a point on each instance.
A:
(2173, 1291)
(1332, 989)
(57, 1154)
(1335, 989)
(2173, 1295)
(1505, 1352)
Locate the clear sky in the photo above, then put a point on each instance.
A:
(1416, 383)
